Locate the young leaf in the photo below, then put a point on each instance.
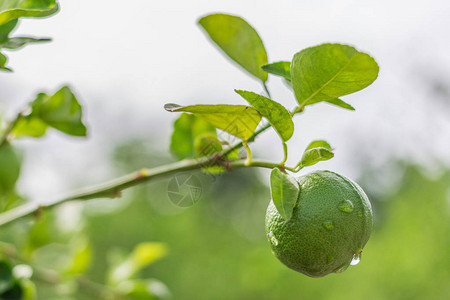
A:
(18, 42)
(284, 190)
(319, 143)
(281, 68)
(142, 255)
(185, 130)
(81, 257)
(60, 111)
(315, 152)
(328, 71)
(238, 120)
(278, 116)
(29, 126)
(238, 40)
(340, 103)
(13, 9)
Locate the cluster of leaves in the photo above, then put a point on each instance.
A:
(60, 111)
(322, 73)
(45, 252)
(10, 13)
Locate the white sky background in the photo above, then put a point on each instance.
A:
(126, 59)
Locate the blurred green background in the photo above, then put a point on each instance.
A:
(217, 248)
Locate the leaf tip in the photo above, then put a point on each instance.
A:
(240, 92)
(171, 107)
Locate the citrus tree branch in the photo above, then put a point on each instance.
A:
(113, 189)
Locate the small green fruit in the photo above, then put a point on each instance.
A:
(330, 225)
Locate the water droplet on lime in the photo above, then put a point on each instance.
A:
(272, 238)
(346, 206)
(356, 259)
(328, 225)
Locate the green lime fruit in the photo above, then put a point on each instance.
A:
(9, 167)
(330, 224)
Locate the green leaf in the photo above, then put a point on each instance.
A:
(328, 71)
(6, 29)
(316, 151)
(281, 68)
(60, 111)
(40, 234)
(278, 116)
(29, 126)
(319, 143)
(340, 103)
(238, 40)
(143, 255)
(6, 277)
(13, 9)
(238, 120)
(185, 130)
(18, 42)
(10, 165)
(284, 190)
(3, 60)
(9, 199)
(81, 259)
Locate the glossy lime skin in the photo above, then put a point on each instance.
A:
(331, 222)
